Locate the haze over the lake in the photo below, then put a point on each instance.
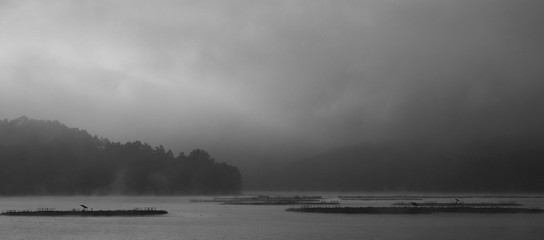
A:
(264, 80)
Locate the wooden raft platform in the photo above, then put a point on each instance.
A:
(49, 212)
(412, 210)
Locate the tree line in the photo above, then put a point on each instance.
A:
(39, 157)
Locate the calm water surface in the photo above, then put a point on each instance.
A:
(188, 220)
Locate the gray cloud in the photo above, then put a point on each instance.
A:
(267, 79)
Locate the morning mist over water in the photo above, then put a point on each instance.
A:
(179, 98)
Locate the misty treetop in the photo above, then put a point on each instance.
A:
(47, 157)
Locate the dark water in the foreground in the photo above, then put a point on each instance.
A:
(188, 220)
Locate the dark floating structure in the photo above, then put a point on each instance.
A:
(375, 198)
(51, 212)
(269, 200)
(412, 210)
(279, 200)
(461, 204)
(421, 197)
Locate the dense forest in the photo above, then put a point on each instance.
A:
(47, 157)
(505, 164)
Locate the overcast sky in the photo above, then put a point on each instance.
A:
(275, 79)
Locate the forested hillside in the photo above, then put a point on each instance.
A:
(46, 157)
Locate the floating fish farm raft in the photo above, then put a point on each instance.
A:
(412, 210)
(375, 198)
(51, 212)
(461, 204)
(269, 200)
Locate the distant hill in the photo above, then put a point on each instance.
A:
(508, 164)
(46, 157)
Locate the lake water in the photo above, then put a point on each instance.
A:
(187, 220)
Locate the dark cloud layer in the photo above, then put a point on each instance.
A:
(270, 79)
